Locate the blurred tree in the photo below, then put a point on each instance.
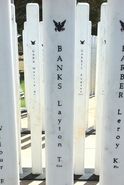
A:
(21, 16)
(21, 12)
(94, 12)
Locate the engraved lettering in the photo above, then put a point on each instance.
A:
(119, 112)
(59, 67)
(115, 160)
(59, 76)
(120, 94)
(59, 159)
(59, 59)
(117, 145)
(59, 48)
(118, 137)
(121, 76)
(122, 67)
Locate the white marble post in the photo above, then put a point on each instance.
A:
(41, 59)
(81, 60)
(98, 98)
(25, 56)
(100, 76)
(34, 84)
(9, 173)
(16, 77)
(113, 115)
(88, 73)
(93, 65)
(59, 43)
(27, 91)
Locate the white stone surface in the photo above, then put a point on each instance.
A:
(27, 91)
(8, 135)
(113, 128)
(16, 77)
(90, 142)
(41, 59)
(100, 76)
(81, 67)
(59, 33)
(93, 65)
(88, 72)
(33, 82)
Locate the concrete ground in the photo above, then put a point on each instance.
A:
(89, 150)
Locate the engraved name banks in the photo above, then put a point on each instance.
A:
(116, 160)
(59, 27)
(59, 67)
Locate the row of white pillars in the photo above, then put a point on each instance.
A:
(84, 65)
(58, 29)
(59, 26)
(82, 81)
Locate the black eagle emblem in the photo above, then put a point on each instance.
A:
(122, 25)
(59, 26)
(82, 42)
(33, 42)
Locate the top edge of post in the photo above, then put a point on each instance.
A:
(104, 4)
(32, 5)
(83, 4)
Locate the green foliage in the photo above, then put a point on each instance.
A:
(22, 101)
(21, 15)
(22, 84)
(21, 11)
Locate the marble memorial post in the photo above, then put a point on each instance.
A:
(41, 59)
(16, 77)
(59, 42)
(88, 73)
(100, 76)
(9, 171)
(27, 91)
(112, 163)
(34, 84)
(81, 61)
(93, 65)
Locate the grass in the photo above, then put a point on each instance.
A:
(23, 102)
(22, 84)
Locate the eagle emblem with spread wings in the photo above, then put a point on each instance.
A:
(59, 26)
